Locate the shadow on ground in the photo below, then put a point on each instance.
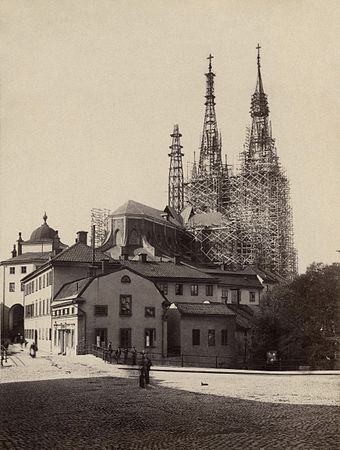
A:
(114, 413)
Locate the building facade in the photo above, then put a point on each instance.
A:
(27, 256)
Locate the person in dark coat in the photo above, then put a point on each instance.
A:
(126, 354)
(117, 354)
(33, 350)
(134, 356)
(148, 365)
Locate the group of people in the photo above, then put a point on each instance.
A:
(145, 363)
(110, 354)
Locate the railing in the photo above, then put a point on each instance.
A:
(218, 362)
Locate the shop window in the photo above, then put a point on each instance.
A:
(100, 310)
(11, 287)
(125, 305)
(150, 337)
(150, 311)
(209, 290)
(163, 287)
(196, 337)
(12, 270)
(211, 338)
(125, 337)
(101, 337)
(224, 337)
(179, 289)
(194, 289)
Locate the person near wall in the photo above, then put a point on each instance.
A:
(134, 356)
(126, 354)
(117, 354)
(33, 350)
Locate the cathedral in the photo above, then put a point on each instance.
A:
(237, 218)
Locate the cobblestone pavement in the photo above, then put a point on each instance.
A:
(110, 412)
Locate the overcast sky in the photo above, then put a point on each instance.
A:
(91, 89)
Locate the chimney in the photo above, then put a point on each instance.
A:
(19, 241)
(14, 252)
(177, 259)
(82, 237)
(105, 264)
(143, 257)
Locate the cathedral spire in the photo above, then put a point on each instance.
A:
(259, 103)
(176, 179)
(210, 162)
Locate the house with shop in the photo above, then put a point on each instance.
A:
(27, 256)
(202, 333)
(40, 286)
(123, 307)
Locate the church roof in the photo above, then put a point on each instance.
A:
(44, 233)
(139, 209)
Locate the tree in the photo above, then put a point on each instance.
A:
(299, 319)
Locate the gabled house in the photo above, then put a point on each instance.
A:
(123, 308)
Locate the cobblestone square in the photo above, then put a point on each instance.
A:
(57, 403)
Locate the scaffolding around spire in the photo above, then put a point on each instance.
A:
(176, 178)
(246, 218)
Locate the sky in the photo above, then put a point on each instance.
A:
(91, 89)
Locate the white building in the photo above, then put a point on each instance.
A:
(27, 256)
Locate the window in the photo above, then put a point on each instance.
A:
(29, 310)
(12, 270)
(224, 337)
(125, 279)
(100, 337)
(23, 269)
(150, 311)
(252, 296)
(163, 287)
(196, 337)
(150, 337)
(39, 282)
(125, 337)
(100, 310)
(211, 338)
(43, 281)
(32, 286)
(194, 289)
(43, 307)
(209, 290)
(36, 284)
(22, 287)
(39, 307)
(125, 305)
(72, 310)
(235, 296)
(11, 287)
(178, 289)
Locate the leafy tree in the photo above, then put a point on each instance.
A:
(299, 318)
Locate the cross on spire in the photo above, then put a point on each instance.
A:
(258, 54)
(210, 57)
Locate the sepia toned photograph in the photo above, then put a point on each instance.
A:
(170, 224)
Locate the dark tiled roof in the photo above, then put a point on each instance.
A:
(266, 275)
(204, 309)
(152, 269)
(28, 257)
(73, 289)
(235, 278)
(139, 209)
(80, 252)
